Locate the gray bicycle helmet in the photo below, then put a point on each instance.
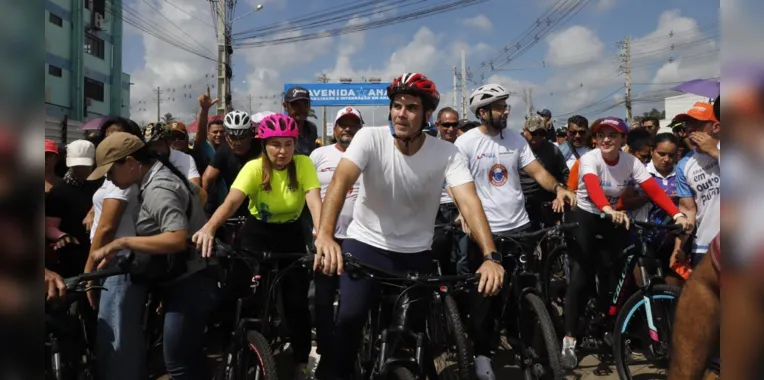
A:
(485, 95)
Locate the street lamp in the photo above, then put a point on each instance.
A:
(257, 9)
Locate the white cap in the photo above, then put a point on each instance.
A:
(348, 111)
(80, 153)
(258, 117)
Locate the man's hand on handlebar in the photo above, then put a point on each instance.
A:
(54, 284)
(558, 206)
(491, 278)
(204, 240)
(328, 256)
(684, 221)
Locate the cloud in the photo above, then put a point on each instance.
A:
(478, 22)
(574, 45)
(605, 5)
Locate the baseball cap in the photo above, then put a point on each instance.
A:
(296, 93)
(612, 122)
(545, 112)
(51, 147)
(348, 111)
(80, 153)
(535, 123)
(178, 127)
(700, 111)
(114, 148)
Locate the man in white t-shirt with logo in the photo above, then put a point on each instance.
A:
(394, 217)
(697, 177)
(347, 123)
(495, 159)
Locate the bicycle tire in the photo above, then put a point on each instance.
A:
(401, 373)
(261, 349)
(624, 315)
(456, 335)
(546, 282)
(548, 334)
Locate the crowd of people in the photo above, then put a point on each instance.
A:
(375, 192)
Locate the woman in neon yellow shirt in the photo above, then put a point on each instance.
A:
(278, 184)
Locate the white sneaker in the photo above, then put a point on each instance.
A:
(483, 368)
(569, 358)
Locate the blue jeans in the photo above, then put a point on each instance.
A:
(120, 345)
(187, 304)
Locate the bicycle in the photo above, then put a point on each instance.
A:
(523, 310)
(257, 323)
(67, 342)
(445, 332)
(384, 352)
(603, 326)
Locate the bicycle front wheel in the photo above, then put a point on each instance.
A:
(401, 373)
(257, 358)
(449, 342)
(542, 356)
(643, 329)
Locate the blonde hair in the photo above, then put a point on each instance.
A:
(293, 185)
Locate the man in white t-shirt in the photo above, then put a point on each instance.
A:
(697, 177)
(495, 160)
(157, 136)
(394, 217)
(347, 123)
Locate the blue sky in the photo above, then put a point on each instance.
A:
(581, 52)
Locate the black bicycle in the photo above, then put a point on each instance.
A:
(603, 328)
(67, 345)
(386, 350)
(529, 328)
(258, 324)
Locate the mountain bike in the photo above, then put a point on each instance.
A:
(67, 343)
(603, 328)
(386, 350)
(524, 315)
(258, 323)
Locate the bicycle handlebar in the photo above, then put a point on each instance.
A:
(122, 267)
(541, 232)
(221, 249)
(373, 271)
(650, 225)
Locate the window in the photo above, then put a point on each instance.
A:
(94, 46)
(97, 6)
(93, 89)
(55, 71)
(55, 20)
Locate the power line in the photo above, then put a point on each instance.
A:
(412, 15)
(173, 24)
(189, 14)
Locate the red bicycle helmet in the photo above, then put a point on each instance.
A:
(415, 84)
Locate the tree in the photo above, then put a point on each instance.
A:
(312, 114)
(168, 118)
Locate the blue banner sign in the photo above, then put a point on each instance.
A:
(345, 94)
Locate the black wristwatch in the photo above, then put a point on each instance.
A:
(554, 189)
(493, 256)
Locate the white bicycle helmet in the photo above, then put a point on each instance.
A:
(258, 117)
(486, 95)
(237, 123)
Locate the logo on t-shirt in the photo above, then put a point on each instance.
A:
(498, 175)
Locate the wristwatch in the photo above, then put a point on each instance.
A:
(493, 256)
(554, 189)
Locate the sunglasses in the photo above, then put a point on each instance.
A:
(449, 125)
(539, 133)
(577, 133)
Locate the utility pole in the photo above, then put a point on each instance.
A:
(224, 57)
(454, 100)
(465, 96)
(528, 99)
(158, 93)
(249, 97)
(323, 79)
(627, 68)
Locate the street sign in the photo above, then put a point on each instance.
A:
(345, 94)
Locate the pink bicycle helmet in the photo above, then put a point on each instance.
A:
(277, 125)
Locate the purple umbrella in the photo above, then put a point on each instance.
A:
(704, 87)
(94, 123)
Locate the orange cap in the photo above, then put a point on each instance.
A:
(178, 126)
(700, 111)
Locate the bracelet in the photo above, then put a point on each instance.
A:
(677, 216)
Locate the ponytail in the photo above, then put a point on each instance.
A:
(146, 156)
